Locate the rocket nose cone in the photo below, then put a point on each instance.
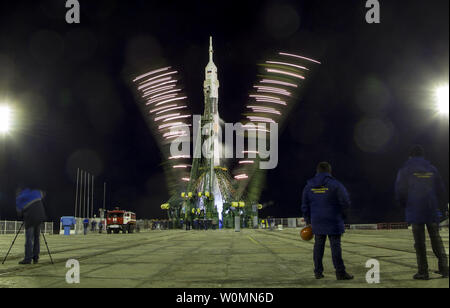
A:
(211, 50)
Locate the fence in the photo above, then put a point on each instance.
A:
(78, 228)
(281, 223)
(392, 226)
(300, 222)
(362, 227)
(12, 227)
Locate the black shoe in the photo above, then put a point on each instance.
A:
(443, 274)
(319, 276)
(420, 276)
(35, 260)
(25, 262)
(344, 276)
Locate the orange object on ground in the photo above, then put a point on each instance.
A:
(306, 234)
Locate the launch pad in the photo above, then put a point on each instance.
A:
(210, 195)
(212, 184)
(217, 259)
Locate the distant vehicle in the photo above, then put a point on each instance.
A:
(120, 220)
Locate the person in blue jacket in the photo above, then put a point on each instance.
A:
(93, 225)
(324, 203)
(30, 208)
(100, 226)
(420, 190)
(85, 225)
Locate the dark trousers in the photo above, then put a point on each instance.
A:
(336, 253)
(32, 245)
(436, 244)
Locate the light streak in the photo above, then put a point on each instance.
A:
(146, 85)
(161, 98)
(245, 162)
(260, 119)
(164, 83)
(258, 130)
(173, 133)
(175, 136)
(180, 157)
(170, 100)
(151, 73)
(300, 57)
(264, 110)
(169, 125)
(252, 127)
(273, 89)
(271, 70)
(161, 108)
(147, 93)
(177, 117)
(159, 76)
(241, 177)
(280, 92)
(272, 101)
(166, 116)
(288, 64)
(171, 109)
(282, 83)
(181, 125)
(165, 93)
(264, 97)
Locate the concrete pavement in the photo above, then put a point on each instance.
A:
(214, 259)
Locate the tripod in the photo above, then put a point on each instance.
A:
(12, 244)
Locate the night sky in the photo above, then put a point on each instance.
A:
(74, 104)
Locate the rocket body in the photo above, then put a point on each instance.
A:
(211, 116)
(211, 137)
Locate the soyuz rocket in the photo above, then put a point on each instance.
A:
(211, 114)
(210, 136)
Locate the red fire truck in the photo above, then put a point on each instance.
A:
(120, 220)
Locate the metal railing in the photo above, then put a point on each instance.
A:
(77, 229)
(12, 227)
(280, 223)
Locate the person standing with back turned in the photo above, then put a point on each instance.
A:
(324, 203)
(29, 207)
(419, 189)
